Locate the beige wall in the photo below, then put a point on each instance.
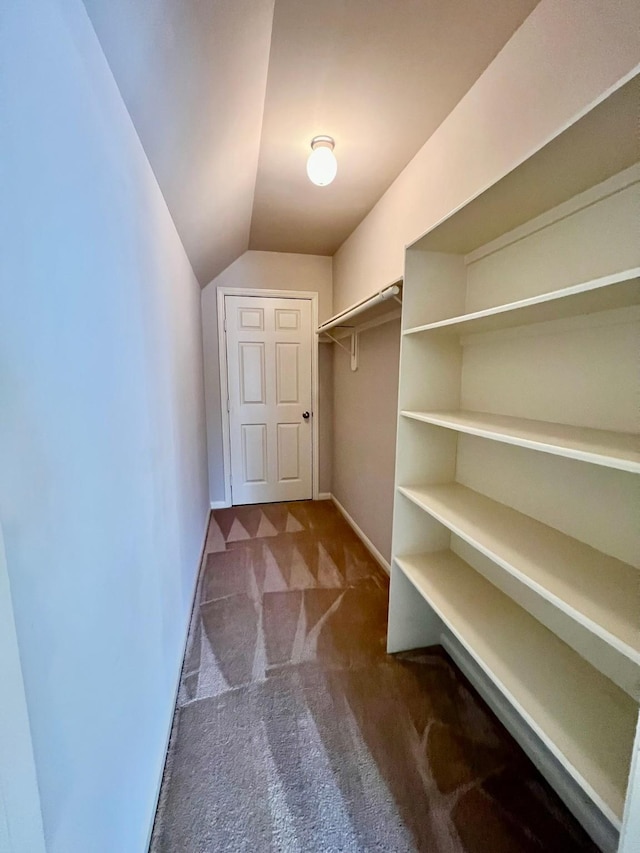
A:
(267, 271)
(103, 484)
(364, 431)
(565, 58)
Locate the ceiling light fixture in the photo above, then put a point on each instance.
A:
(322, 164)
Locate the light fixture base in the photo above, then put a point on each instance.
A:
(322, 142)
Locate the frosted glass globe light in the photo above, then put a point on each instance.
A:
(322, 164)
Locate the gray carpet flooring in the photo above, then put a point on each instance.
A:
(296, 732)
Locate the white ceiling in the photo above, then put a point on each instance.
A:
(227, 94)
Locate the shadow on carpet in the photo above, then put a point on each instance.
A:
(296, 732)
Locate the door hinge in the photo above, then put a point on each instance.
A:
(228, 405)
(224, 324)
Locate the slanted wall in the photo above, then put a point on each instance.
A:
(103, 473)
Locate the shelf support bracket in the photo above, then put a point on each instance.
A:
(336, 341)
(355, 350)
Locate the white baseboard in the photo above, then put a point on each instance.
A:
(358, 530)
(322, 496)
(177, 687)
(220, 504)
(584, 810)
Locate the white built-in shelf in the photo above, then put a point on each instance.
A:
(583, 718)
(620, 290)
(600, 144)
(600, 447)
(599, 592)
(553, 623)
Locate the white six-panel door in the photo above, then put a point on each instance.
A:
(268, 342)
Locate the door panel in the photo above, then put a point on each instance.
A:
(269, 343)
(254, 453)
(288, 452)
(287, 320)
(287, 373)
(251, 319)
(252, 374)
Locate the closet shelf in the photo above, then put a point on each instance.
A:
(619, 290)
(583, 718)
(366, 310)
(599, 592)
(371, 312)
(600, 447)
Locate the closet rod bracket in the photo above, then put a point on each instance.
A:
(353, 349)
(336, 341)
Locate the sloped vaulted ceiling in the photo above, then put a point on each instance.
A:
(193, 75)
(227, 94)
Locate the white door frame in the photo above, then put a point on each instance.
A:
(312, 296)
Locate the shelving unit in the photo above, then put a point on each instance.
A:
(578, 713)
(516, 538)
(614, 291)
(580, 586)
(601, 447)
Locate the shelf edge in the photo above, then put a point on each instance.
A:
(592, 457)
(547, 298)
(618, 645)
(606, 810)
